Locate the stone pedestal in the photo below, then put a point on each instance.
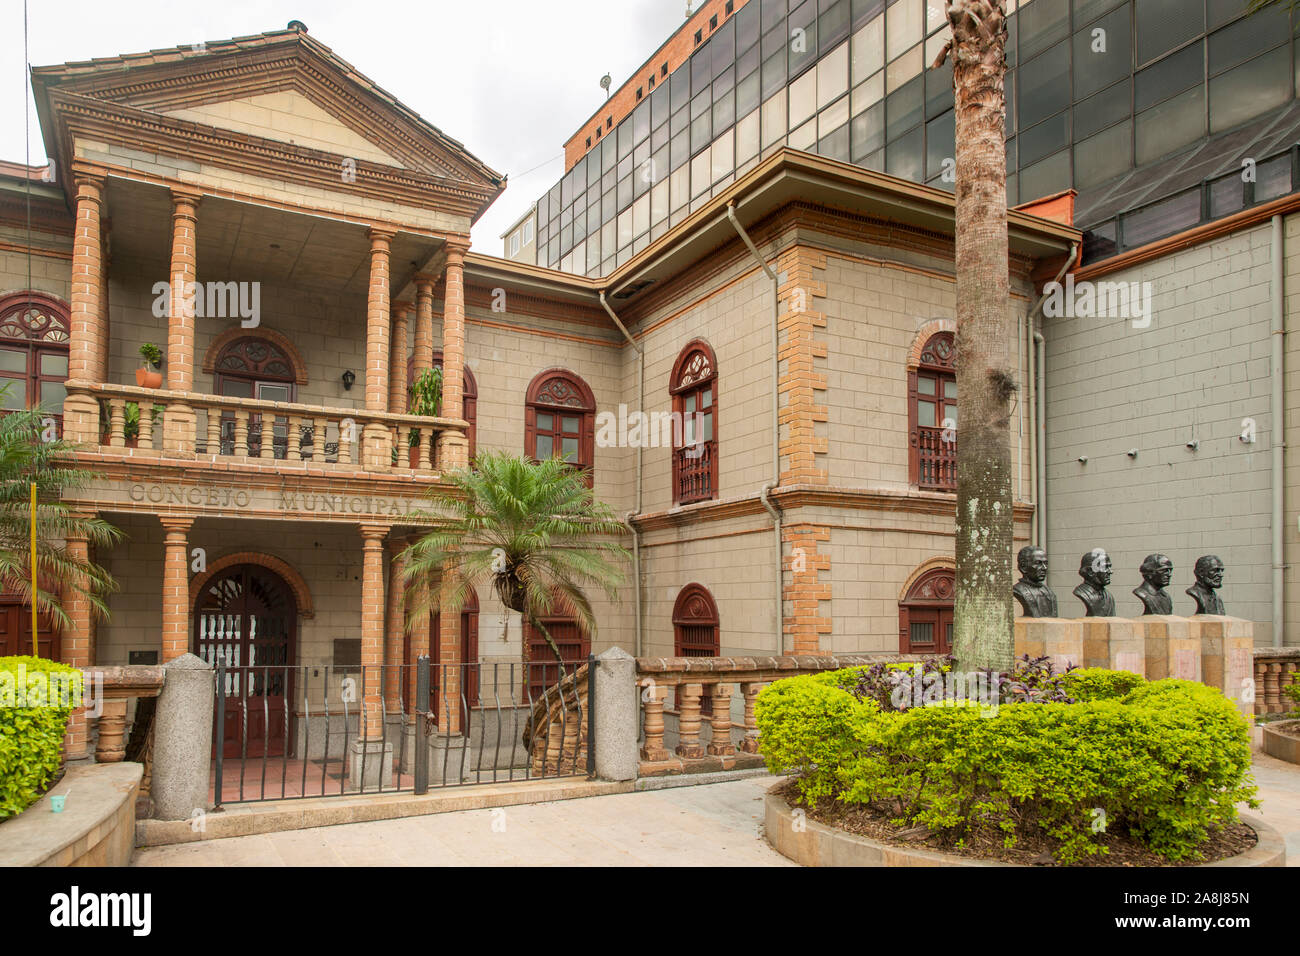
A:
(1054, 637)
(1115, 643)
(182, 739)
(1169, 647)
(1227, 656)
(365, 774)
(616, 713)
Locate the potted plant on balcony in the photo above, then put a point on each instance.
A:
(148, 376)
(425, 399)
(131, 422)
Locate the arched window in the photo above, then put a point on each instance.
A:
(469, 397)
(695, 440)
(560, 419)
(932, 415)
(34, 352)
(695, 628)
(925, 614)
(253, 367)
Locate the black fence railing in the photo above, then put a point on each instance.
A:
(301, 731)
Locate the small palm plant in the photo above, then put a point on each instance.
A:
(530, 530)
(25, 458)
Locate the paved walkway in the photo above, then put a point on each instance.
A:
(710, 825)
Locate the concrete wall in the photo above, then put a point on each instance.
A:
(1198, 370)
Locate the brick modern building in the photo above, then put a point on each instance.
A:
(799, 311)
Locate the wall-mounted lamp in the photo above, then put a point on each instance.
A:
(1194, 444)
(348, 379)
(1083, 459)
(1132, 452)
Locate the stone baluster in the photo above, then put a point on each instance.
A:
(319, 432)
(117, 423)
(653, 698)
(347, 435)
(427, 438)
(146, 425)
(110, 747)
(750, 692)
(214, 431)
(266, 423)
(689, 720)
(720, 745)
(293, 446)
(401, 442)
(241, 433)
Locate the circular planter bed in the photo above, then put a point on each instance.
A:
(807, 842)
(1282, 740)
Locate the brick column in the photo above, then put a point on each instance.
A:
(393, 690)
(176, 588)
(397, 395)
(76, 648)
(80, 412)
(376, 440)
(449, 674)
(105, 355)
(423, 322)
(419, 642)
(453, 449)
(372, 628)
(178, 419)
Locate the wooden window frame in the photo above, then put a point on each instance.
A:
(50, 337)
(573, 397)
(679, 389)
(938, 362)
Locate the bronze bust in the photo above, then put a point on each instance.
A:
(1035, 597)
(1209, 578)
(1095, 568)
(1157, 571)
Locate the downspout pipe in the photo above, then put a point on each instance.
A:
(765, 492)
(1278, 437)
(1038, 372)
(631, 517)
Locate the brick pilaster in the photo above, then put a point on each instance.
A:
(397, 396)
(805, 623)
(393, 691)
(800, 381)
(419, 641)
(178, 419)
(449, 673)
(372, 628)
(85, 345)
(176, 588)
(453, 449)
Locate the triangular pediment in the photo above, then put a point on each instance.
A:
(284, 90)
(290, 117)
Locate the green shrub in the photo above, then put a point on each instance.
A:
(1292, 690)
(31, 736)
(1166, 762)
(809, 726)
(1098, 683)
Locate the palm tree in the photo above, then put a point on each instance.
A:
(531, 530)
(983, 613)
(26, 459)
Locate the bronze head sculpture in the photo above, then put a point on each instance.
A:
(1035, 597)
(1095, 568)
(1209, 578)
(1157, 571)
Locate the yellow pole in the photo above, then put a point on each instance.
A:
(36, 649)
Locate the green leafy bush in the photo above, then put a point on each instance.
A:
(1098, 683)
(31, 735)
(1165, 763)
(1292, 690)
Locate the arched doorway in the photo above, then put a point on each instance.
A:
(925, 614)
(247, 617)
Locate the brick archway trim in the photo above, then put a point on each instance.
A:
(923, 335)
(301, 593)
(235, 332)
(925, 567)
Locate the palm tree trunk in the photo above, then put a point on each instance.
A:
(984, 615)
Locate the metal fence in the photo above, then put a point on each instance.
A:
(315, 730)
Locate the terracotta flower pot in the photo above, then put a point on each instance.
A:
(148, 378)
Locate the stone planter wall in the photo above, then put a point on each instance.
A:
(96, 827)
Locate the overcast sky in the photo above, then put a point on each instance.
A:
(510, 79)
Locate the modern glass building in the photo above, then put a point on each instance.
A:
(1148, 108)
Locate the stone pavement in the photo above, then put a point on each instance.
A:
(712, 825)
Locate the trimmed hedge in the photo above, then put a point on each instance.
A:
(1164, 762)
(31, 735)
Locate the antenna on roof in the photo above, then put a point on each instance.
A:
(297, 25)
(605, 81)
